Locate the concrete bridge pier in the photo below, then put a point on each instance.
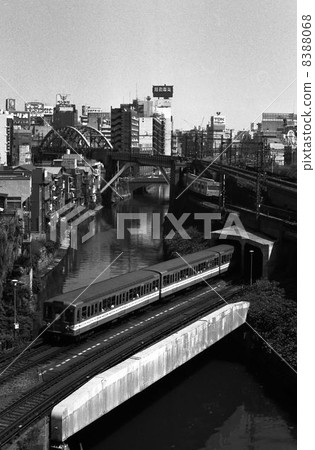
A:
(111, 388)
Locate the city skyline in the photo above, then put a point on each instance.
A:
(233, 57)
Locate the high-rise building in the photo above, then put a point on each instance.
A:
(124, 128)
(3, 139)
(65, 114)
(216, 134)
(144, 107)
(151, 135)
(272, 124)
(163, 107)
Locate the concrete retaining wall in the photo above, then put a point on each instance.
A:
(114, 386)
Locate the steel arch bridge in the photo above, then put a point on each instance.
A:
(81, 139)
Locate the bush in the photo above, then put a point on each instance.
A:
(51, 246)
(274, 317)
(182, 246)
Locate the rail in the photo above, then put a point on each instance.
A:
(39, 401)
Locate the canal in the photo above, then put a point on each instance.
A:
(211, 403)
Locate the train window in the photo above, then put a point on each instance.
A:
(88, 311)
(113, 300)
(92, 310)
(155, 285)
(84, 314)
(78, 315)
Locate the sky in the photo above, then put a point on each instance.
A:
(233, 56)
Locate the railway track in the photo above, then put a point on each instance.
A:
(30, 358)
(253, 176)
(39, 400)
(9, 356)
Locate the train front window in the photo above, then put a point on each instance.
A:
(69, 315)
(48, 314)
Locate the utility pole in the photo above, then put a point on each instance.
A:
(201, 151)
(15, 324)
(251, 252)
(222, 181)
(260, 176)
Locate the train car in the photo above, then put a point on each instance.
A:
(204, 187)
(75, 313)
(180, 273)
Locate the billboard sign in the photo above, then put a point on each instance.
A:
(35, 108)
(10, 104)
(218, 122)
(48, 110)
(63, 99)
(21, 118)
(163, 91)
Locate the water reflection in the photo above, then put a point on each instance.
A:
(101, 250)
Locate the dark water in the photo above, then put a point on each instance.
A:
(96, 256)
(210, 403)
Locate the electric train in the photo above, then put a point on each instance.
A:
(205, 187)
(75, 313)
